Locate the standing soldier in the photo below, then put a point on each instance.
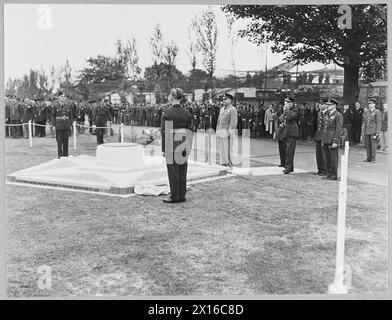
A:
(41, 118)
(101, 116)
(7, 116)
(290, 133)
(115, 113)
(347, 121)
(333, 128)
(357, 123)
(27, 115)
(227, 123)
(384, 128)
(49, 111)
(180, 121)
(279, 135)
(371, 130)
(320, 153)
(62, 118)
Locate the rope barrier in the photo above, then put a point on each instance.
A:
(83, 126)
(16, 125)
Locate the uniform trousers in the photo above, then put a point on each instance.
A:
(7, 129)
(384, 140)
(282, 152)
(371, 147)
(177, 180)
(16, 131)
(320, 158)
(100, 133)
(62, 138)
(332, 160)
(225, 151)
(290, 144)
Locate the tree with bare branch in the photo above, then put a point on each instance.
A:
(207, 35)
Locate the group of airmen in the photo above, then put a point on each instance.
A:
(325, 123)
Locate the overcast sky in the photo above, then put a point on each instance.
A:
(81, 31)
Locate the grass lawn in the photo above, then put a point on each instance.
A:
(235, 236)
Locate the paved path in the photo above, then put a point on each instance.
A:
(264, 152)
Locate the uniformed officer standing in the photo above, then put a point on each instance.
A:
(7, 116)
(290, 132)
(371, 130)
(227, 123)
(176, 146)
(101, 116)
(41, 119)
(279, 136)
(62, 118)
(333, 128)
(320, 153)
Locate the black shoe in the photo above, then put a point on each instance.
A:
(287, 171)
(281, 165)
(170, 200)
(318, 173)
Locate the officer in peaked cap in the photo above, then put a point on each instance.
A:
(290, 132)
(226, 124)
(320, 153)
(333, 126)
(62, 118)
(371, 130)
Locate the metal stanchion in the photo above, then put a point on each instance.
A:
(339, 286)
(74, 134)
(122, 132)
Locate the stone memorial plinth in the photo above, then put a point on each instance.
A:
(115, 170)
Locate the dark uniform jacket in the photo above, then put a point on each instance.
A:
(181, 119)
(101, 116)
(384, 121)
(16, 112)
(320, 125)
(27, 113)
(347, 117)
(280, 126)
(62, 116)
(40, 115)
(333, 128)
(290, 123)
(372, 121)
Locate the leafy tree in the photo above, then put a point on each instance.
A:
(157, 46)
(207, 36)
(170, 56)
(102, 68)
(310, 33)
(192, 51)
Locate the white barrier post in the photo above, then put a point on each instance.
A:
(30, 133)
(122, 132)
(74, 134)
(209, 142)
(339, 286)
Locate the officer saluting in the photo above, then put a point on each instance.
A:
(176, 145)
(333, 127)
(62, 117)
(290, 132)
